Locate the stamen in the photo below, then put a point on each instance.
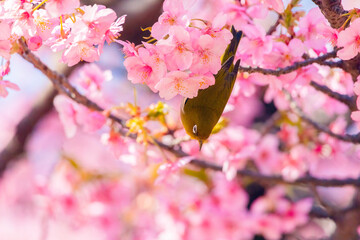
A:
(79, 10)
(72, 17)
(146, 29)
(62, 32)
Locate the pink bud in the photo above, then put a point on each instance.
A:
(34, 43)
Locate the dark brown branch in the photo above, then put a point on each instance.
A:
(346, 137)
(16, 146)
(337, 64)
(291, 68)
(333, 11)
(60, 81)
(347, 100)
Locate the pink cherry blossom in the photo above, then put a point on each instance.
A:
(174, 14)
(61, 7)
(96, 20)
(148, 67)
(177, 49)
(80, 51)
(115, 28)
(5, 43)
(267, 155)
(237, 14)
(207, 55)
(6, 84)
(349, 39)
(67, 114)
(73, 115)
(116, 143)
(310, 26)
(91, 77)
(256, 44)
(34, 43)
(177, 82)
(277, 5)
(295, 164)
(166, 169)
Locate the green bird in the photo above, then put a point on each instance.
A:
(200, 114)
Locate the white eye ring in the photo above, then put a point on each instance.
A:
(195, 130)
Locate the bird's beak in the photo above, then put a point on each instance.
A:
(200, 144)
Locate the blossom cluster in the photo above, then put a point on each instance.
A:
(78, 31)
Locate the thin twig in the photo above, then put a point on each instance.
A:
(61, 83)
(347, 100)
(291, 68)
(346, 137)
(333, 64)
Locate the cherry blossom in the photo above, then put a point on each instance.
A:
(177, 49)
(177, 82)
(349, 40)
(6, 84)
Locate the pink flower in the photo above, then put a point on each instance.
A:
(204, 80)
(177, 49)
(80, 51)
(67, 114)
(268, 225)
(5, 44)
(207, 55)
(277, 5)
(311, 27)
(114, 31)
(6, 84)
(294, 214)
(146, 67)
(174, 14)
(267, 155)
(90, 121)
(256, 44)
(34, 43)
(349, 39)
(91, 77)
(115, 142)
(177, 82)
(295, 164)
(61, 7)
(73, 115)
(167, 169)
(96, 20)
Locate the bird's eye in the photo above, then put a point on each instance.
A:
(195, 130)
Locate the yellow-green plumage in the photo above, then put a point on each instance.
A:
(200, 114)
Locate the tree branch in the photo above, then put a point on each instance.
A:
(16, 146)
(61, 82)
(333, 11)
(347, 100)
(291, 68)
(346, 137)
